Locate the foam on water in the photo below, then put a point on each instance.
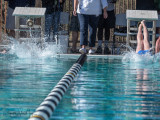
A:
(32, 49)
(133, 57)
(135, 61)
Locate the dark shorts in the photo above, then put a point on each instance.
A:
(109, 22)
(74, 25)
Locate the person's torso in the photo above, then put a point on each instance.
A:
(91, 7)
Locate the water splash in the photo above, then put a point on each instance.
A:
(32, 49)
(132, 57)
(157, 57)
(121, 49)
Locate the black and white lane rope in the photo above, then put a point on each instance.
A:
(46, 108)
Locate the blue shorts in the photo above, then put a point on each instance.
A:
(142, 52)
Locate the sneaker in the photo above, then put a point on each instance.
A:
(91, 51)
(106, 50)
(99, 50)
(82, 50)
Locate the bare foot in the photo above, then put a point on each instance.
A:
(140, 26)
(143, 22)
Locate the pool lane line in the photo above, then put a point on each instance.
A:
(47, 107)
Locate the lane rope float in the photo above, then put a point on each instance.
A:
(46, 108)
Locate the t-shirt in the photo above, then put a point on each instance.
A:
(91, 7)
(145, 5)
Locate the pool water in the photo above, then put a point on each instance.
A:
(105, 88)
(24, 83)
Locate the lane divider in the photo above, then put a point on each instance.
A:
(46, 108)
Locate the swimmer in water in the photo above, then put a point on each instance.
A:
(143, 45)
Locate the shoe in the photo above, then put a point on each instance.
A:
(106, 50)
(91, 51)
(99, 50)
(82, 50)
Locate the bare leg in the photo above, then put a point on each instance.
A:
(145, 32)
(139, 39)
(157, 48)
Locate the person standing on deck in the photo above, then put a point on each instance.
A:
(10, 20)
(88, 15)
(53, 8)
(74, 27)
(106, 24)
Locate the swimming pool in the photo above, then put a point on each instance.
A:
(106, 88)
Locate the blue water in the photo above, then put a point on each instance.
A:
(24, 83)
(105, 88)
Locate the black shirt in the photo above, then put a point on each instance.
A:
(52, 5)
(145, 5)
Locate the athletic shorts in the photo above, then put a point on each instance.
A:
(74, 25)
